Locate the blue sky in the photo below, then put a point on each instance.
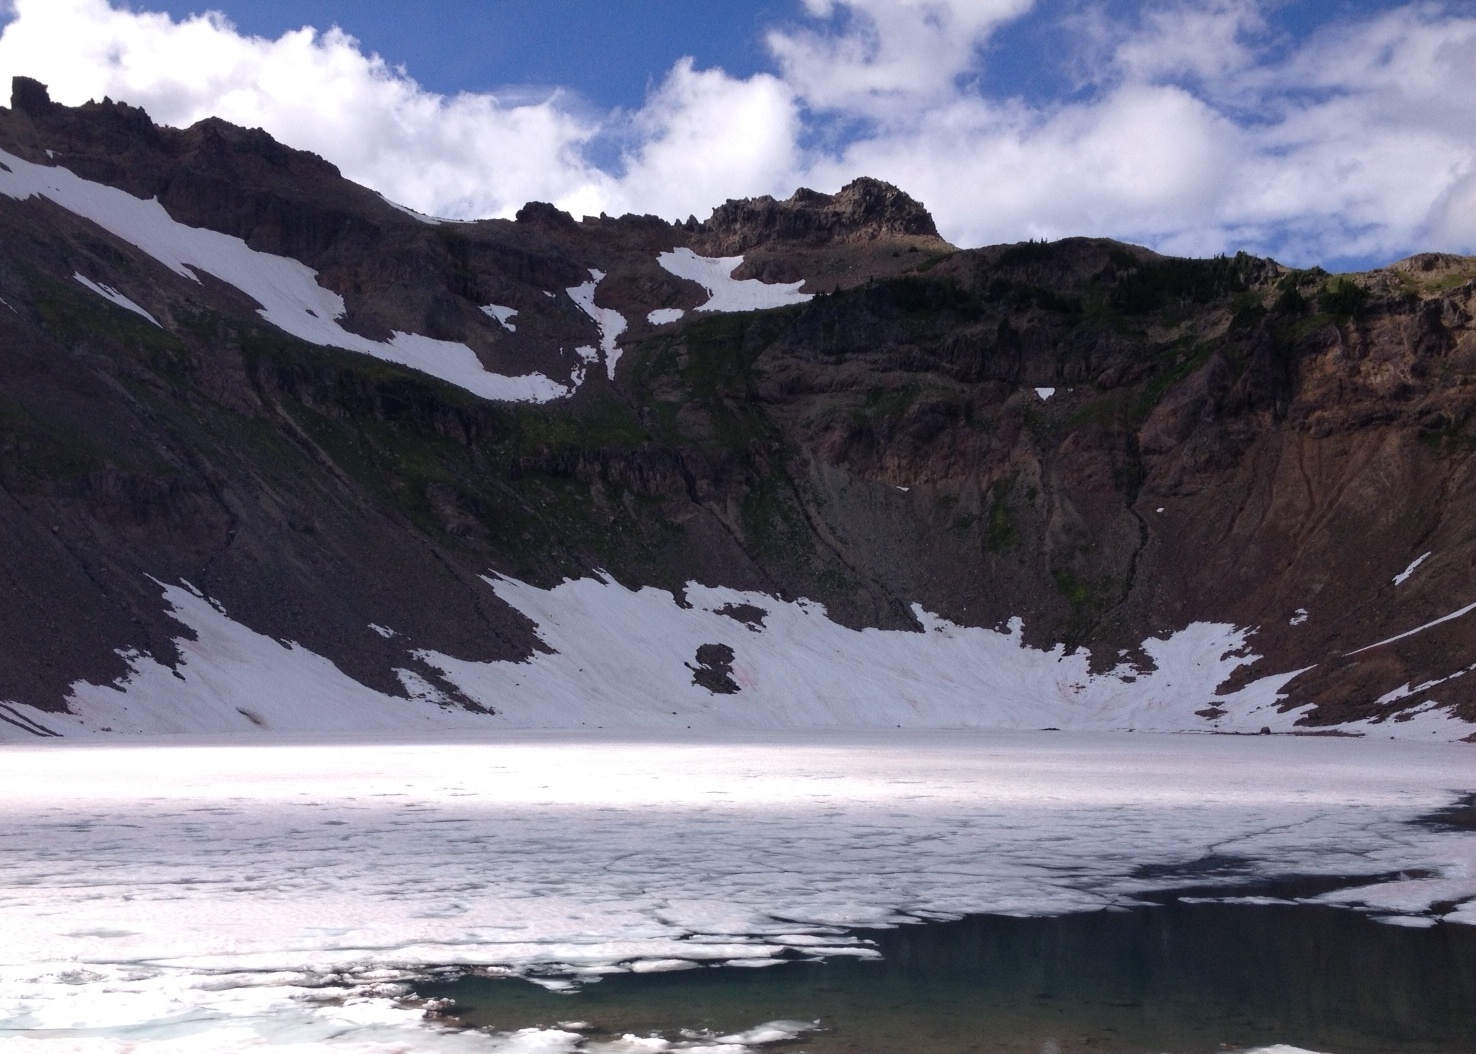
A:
(620, 49)
(1340, 132)
(609, 52)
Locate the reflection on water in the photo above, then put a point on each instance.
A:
(1185, 977)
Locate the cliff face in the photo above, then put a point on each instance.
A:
(1107, 444)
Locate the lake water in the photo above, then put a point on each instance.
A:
(169, 897)
(1183, 976)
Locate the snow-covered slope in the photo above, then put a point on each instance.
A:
(289, 294)
(620, 658)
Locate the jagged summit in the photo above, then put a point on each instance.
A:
(863, 210)
(30, 95)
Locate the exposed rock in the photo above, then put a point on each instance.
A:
(30, 95)
(714, 669)
(864, 210)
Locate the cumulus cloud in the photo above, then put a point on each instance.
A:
(1196, 127)
(883, 58)
(464, 155)
(703, 137)
(1205, 41)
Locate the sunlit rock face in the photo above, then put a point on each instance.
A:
(265, 433)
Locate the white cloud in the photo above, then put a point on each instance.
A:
(1205, 41)
(889, 55)
(465, 155)
(1141, 158)
(704, 137)
(1199, 128)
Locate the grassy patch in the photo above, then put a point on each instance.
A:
(1000, 532)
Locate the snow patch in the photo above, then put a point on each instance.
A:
(611, 323)
(1418, 629)
(726, 293)
(288, 291)
(1406, 690)
(107, 292)
(1403, 576)
(1045, 393)
(502, 314)
(588, 356)
(421, 216)
(663, 315)
(1299, 617)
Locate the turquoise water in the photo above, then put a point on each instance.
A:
(1188, 977)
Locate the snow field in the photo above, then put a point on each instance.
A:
(288, 291)
(625, 659)
(211, 895)
(726, 293)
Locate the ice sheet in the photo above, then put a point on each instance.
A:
(288, 291)
(726, 293)
(107, 292)
(207, 895)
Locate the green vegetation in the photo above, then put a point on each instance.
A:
(34, 457)
(773, 525)
(1087, 602)
(1149, 286)
(1000, 532)
(1342, 299)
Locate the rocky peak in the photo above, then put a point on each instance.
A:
(30, 95)
(544, 216)
(1434, 263)
(862, 211)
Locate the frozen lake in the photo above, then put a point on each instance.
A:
(1186, 976)
(170, 895)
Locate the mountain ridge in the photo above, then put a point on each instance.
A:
(1109, 445)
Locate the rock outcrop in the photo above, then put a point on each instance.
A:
(864, 210)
